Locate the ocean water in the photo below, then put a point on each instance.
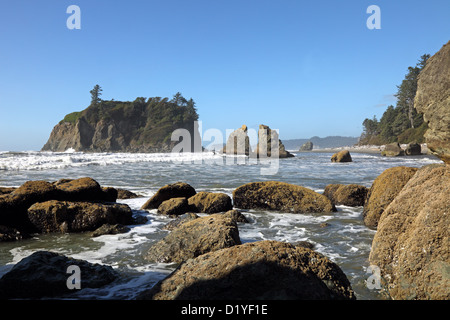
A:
(345, 239)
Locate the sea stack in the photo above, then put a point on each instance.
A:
(124, 126)
(238, 142)
(269, 144)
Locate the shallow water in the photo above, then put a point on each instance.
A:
(344, 239)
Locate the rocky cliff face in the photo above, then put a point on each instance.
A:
(115, 126)
(411, 243)
(433, 100)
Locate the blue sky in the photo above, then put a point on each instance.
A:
(307, 68)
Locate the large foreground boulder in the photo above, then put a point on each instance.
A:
(194, 238)
(280, 196)
(383, 190)
(44, 274)
(175, 190)
(433, 100)
(265, 270)
(352, 195)
(65, 216)
(411, 245)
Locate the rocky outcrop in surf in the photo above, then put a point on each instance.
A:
(280, 196)
(341, 156)
(62, 206)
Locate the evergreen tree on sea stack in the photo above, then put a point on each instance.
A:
(95, 95)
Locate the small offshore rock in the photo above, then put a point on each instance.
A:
(341, 156)
(307, 146)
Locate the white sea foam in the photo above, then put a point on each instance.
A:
(60, 160)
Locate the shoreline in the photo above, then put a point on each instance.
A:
(371, 149)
